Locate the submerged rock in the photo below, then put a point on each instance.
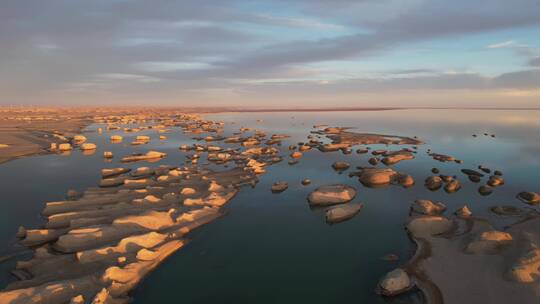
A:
(474, 178)
(21, 232)
(485, 169)
(495, 181)
(373, 161)
(331, 195)
(452, 186)
(405, 180)
(506, 210)
(485, 190)
(390, 257)
(293, 162)
(470, 172)
(531, 198)
(428, 225)
(278, 187)
(395, 282)
(342, 213)
(442, 157)
(489, 242)
(433, 183)
(73, 194)
(362, 150)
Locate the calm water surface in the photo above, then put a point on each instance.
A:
(272, 248)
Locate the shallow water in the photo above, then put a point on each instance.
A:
(272, 248)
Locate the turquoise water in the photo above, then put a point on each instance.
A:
(272, 248)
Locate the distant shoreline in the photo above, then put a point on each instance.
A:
(204, 110)
(200, 110)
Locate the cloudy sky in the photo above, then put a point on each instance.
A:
(280, 53)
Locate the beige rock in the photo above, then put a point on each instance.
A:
(88, 146)
(113, 172)
(53, 292)
(148, 156)
(296, 154)
(77, 300)
(331, 195)
(116, 138)
(126, 245)
(343, 212)
(463, 212)
(428, 207)
(64, 147)
(142, 171)
(188, 191)
(112, 181)
(372, 177)
(214, 199)
(397, 157)
(79, 139)
(340, 166)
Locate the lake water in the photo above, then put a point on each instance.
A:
(272, 248)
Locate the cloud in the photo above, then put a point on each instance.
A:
(500, 45)
(120, 76)
(173, 48)
(170, 66)
(299, 22)
(535, 62)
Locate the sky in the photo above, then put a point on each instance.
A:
(280, 53)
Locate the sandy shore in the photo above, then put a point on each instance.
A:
(26, 132)
(34, 137)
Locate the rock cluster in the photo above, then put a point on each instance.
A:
(108, 239)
